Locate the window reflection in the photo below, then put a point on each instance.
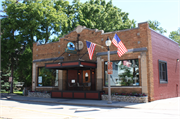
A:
(47, 77)
(125, 73)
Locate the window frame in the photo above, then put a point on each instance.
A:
(38, 76)
(162, 81)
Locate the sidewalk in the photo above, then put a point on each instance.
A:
(165, 104)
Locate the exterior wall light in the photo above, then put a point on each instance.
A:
(177, 60)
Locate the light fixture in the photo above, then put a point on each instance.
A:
(177, 60)
(78, 73)
(108, 42)
(86, 74)
(92, 72)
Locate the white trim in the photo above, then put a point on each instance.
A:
(126, 87)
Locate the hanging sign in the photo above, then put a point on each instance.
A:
(110, 68)
(70, 48)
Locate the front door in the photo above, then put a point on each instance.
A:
(81, 80)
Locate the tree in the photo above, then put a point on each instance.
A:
(155, 26)
(175, 35)
(23, 72)
(36, 20)
(11, 45)
(96, 14)
(27, 22)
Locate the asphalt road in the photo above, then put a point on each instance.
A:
(10, 109)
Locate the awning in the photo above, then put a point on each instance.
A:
(71, 65)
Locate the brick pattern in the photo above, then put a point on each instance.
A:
(132, 38)
(150, 67)
(166, 50)
(123, 90)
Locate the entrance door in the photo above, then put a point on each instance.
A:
(72, 79)
(88, 79)
(81, 80)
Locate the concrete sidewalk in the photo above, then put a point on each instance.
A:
(165, 104)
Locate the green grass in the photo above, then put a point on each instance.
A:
(19, 92)
(15, 92)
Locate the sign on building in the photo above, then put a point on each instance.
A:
(110, 68)
(40, 79)
(10, 79)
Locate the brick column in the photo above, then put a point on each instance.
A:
(34, 77)
(99, 74)
(60, 78)
(144, 73)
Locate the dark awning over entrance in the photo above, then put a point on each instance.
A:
(71, 65)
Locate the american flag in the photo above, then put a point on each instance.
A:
(126, 63)
(90, 47)
(118, 43)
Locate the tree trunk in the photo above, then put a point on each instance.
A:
(11, 91)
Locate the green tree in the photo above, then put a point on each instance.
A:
(155, 25)
(96, 14)
(23, 72)
(11, 44)
(27, 22)
(175, 35)
(36, 20)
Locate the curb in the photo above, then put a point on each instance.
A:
(67, 103)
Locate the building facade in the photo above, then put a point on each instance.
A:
(150, 66)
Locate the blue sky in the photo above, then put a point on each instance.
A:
(167, 12)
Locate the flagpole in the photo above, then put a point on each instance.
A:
(108, 44)
(96, 44)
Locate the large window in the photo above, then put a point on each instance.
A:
(47, 77)
(125, 73)
(163, 71)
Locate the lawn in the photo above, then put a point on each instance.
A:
(15, 92)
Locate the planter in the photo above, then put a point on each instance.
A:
(132, 99)
(39, 94)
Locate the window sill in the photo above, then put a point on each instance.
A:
(46, 86)
(124, 87)
(163, 82)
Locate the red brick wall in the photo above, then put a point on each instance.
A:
(132, 38)
(166, 50)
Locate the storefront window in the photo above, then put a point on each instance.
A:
(125, 73)
(47, 77)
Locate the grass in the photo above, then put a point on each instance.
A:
(19, 92)
(15, 92)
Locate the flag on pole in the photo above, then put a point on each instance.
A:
(90, 47)
(118, 43)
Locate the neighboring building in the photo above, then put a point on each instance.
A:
(150, 66)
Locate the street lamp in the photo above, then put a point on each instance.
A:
(108, 44)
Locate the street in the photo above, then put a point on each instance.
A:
(10, 109)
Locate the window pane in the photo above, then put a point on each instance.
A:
(125, 73)
(162, 71)
(164, 76)
(163, 67)
(47, 77)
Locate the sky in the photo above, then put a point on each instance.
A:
(167, 12)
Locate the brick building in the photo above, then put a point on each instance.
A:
(150, 66)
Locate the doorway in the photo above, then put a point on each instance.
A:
(81, 80)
